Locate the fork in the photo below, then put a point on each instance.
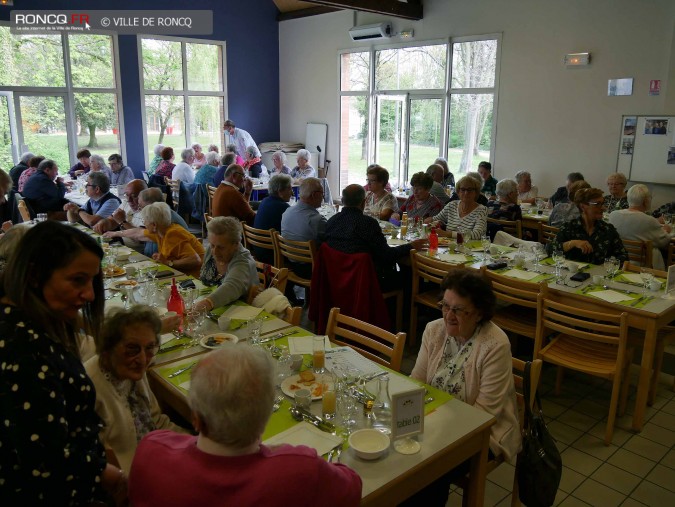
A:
(277, 402)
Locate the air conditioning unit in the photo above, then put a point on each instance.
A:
(368, 32)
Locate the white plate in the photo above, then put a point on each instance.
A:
(223, 338)
(293, 383)
(123, 284)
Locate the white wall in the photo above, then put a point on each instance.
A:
(550, 120)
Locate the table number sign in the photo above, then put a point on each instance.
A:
(407, 419)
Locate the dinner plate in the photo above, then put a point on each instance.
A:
(294, 382)
(123, 284)
(111, 272)
(217, 340)
(444, 241)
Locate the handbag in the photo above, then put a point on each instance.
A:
(539, 465)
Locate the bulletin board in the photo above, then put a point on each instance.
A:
(647, 148)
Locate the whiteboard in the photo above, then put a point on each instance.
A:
(651, 154)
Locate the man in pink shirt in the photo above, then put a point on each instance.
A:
(231, 397)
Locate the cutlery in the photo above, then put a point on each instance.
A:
(334, 454)
(634, 303)
(373, 376)
(182, 370)
(429, 400)
(277, 336)
(647, 299)
(277, 402)
(300, 414)
(212, 316)
(174, 347)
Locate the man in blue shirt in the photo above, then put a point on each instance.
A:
(271, 210)
(121, 174)
(303, 222)
(101, 204)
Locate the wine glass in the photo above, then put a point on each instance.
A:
(537, 253)
(647, 278)
(486, 244)
(254, 328)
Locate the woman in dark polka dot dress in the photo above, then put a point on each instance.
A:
(50, 453)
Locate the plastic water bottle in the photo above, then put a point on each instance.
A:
(433, 242)
(176, 304)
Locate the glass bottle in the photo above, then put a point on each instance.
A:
(382, 406)
(176, 304)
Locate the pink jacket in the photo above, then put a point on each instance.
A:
(489, 380)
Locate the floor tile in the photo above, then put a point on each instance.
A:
(669, 407)
(503, 476)
(631, 462)
(663, 476)
(571, 501)
(615, 478)
(552, 409)
(580, 462)
(570, 480)
(577, 420)
(455, 500)
(594, 446)
(597, 494)
(495, 494)
(646, 448)
(664, 420)
(661, 401)
(619, 437)
(651, 494)
(592, 408)
(658, 434)
(563, 432)
(669, 459)
(560, 497)
(631, 502)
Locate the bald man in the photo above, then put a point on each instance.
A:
(128, 214)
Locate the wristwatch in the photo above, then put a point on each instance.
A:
(170, 264)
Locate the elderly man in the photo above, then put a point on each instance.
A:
(270, 211)
(437, 190)
(128, 214)
(303, 222)
(121, 174)
(101, 204)
(562, 193)
(239, 137)
(231, 395)
(350, 231)
(226, 161)
(45, 190)
(183, 170)
(15, 172)
(228, 201)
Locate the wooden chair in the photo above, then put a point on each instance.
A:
(590, 342)
(512, 227)
(547, 233)
(278, 281)
(516, 304)
(639, 252)
(258, 237)
(296, 251)
(518, 367)
(432, 271)
(370, 341)
(23, 210)
(293, 315)
(211, 190)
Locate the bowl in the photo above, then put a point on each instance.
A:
(369, 444)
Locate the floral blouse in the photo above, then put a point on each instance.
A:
(450, 375)
(387, 201)
(604, 240)
(421, 210)
(614, 203)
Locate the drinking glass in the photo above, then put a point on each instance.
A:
(667, 218)
(283, 364)
(647, 279)
(319, 354)
(486, 243)
(460, 239)
(254, 327)
(194, 318)
(329, 396)
(537, 253)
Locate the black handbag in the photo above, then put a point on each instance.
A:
(539, 465)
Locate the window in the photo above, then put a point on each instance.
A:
(414, 104)
(58, 94)
(185, 93)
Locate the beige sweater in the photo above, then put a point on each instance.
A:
(489, 380)
(118, 432)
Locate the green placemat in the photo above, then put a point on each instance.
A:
(183, 340)
(620, 278)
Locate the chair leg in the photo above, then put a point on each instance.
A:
(616, 386)
(658, 363)
(625, 384)
(559, 379)
(412, 335)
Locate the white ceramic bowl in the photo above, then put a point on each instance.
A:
(369, 444)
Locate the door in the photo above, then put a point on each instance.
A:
(425, 125)
(390, 140)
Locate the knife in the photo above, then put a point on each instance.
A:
(173, 347)
(182, 370)
(277, 336)
(634, 303)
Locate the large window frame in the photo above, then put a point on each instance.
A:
(445, 94)
(185, 93)
(68, 92)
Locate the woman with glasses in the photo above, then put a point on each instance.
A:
(125, 348)
(379, 203)
(589, 238)
(421, 204)
(465, 215)
(468, 356)
(616, 198)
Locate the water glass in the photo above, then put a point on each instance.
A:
(283, 364)
(537, 254)
(319, 354)
(486, 243)
(647, 278)
(254, 327)
(303, 398)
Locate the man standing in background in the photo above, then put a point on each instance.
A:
(239, 137)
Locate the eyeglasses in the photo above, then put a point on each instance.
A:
(466, 190)
(131, 196)
(595, 203)
(132, 350)
(457, 311)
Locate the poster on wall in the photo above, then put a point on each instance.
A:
(629, 126)
(656, 127)
(655, 87)
(671, 155)
(627, 145)
(622, 86)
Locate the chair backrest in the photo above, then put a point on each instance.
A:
(639, 252)
(293, 315)
(428, 268)
(370, 341)
(513, 291)
(268, 276)
(257, 237)
(518, 367)
(547, 233)
(211, 190)
(23, 210)
(634, 268)
(512, 227)
(297, 251)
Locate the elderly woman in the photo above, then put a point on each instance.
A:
(636, 224)
(165, 167)
(448, 177)
(47, 403)
(589, 238)
(226, 264)
(505, 206)
(303, 169)
(98, 165)
(437, 189)
(33, 164)
(214, 147)
(208, 170)
(465, 215)
(616, 199)
(379, 203)
(9, 208)
(253, 163)
(183, 170)
(156, 160)
(200, 158)
(468, 356)
(232, 148)
(421, 204)
(566, 211)
(279, 161)
(527, 192)
(124, 401)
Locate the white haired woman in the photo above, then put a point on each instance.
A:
(616, 199)
(635, 224)
(505, 206)
(177, 248)
(527, 192)
(226, 264)
(200, 158)
(97, 164)
(157, 150)
(253, 163)
(279, 161)
(303, 169)
(183, 170)
(208, 170)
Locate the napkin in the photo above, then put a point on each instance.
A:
(303, 344)
(611, 296)
(522, 275)
(242, 312)
(396, 241)
(633, 278)
(452, 258)
(304, 433)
